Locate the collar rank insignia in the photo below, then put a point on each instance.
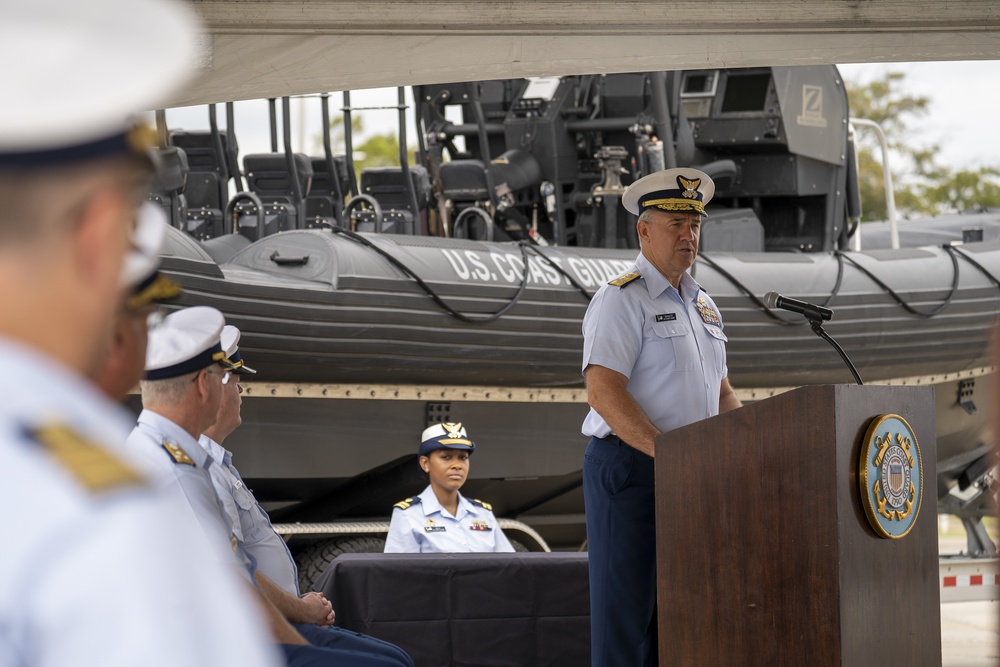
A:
(891, 476)
(177, 454)
(690, 186)
(91, 465)
(708, 314)
(623, 280)
(431, 527)
(480, 524)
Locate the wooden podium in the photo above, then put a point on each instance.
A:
(765, 554)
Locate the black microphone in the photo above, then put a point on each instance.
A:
(813, 312)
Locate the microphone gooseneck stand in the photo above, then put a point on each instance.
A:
(817, 327)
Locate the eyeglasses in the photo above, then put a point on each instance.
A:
(225, 376)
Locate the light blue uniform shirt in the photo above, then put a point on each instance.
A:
(97, 572)
(668, 343)
(427, 527)
(190, 485)
(249, 520)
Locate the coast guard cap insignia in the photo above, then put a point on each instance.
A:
(690, 186)
(891, 476)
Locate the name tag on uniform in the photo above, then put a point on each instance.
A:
(480, 525)
(434, 529)
(666, 317)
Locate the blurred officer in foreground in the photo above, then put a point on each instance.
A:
(654, 358)
(91, 567)
(440, 519)
(126, 356)
(277, 575)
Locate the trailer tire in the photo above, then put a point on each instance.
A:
(313, 560)
(518, 546)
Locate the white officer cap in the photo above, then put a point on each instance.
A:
(446, 435)
(75, 71)
(680, 189)
(188, 340)
(139, 270)
(231, 346)
(147, 240)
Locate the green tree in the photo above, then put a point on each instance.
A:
(379, 150)
(922, 186)
(966, 190)
(882, 100)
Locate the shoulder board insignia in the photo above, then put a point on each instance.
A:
(405, 504)
(487, 506)
(93, 466)
(176, 453)
(622, 281)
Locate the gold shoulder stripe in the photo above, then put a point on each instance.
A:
(93, 466)
(176, 453)
(486, 506)
(406, 504)
(622, 281)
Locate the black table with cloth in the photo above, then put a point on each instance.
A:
(468, 610)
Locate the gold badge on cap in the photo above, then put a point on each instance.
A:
(690, 186)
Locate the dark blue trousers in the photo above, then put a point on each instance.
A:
(621, 540)
(340, 647)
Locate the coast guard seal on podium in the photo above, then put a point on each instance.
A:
(890, 473)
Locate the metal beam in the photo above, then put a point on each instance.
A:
(271, 48)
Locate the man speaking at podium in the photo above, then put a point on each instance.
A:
(654, 358)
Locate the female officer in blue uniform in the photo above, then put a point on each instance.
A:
(442, 520)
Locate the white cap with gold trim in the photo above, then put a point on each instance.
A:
(74, 73)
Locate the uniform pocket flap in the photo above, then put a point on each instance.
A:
(670, 329)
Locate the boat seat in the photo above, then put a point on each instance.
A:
(725, 173)
(268, 177)
(207, 187)
(324, 202)
(224, 248)
(386, 185)
(464, 181)
(167, 188)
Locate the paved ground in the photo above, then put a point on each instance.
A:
(970, 634)
(970, 631)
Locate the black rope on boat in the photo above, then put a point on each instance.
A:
(572, 281)
(430, 292)
(746, 290)
(906, 306)
(955, 251)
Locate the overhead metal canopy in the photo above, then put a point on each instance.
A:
(271, 48)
